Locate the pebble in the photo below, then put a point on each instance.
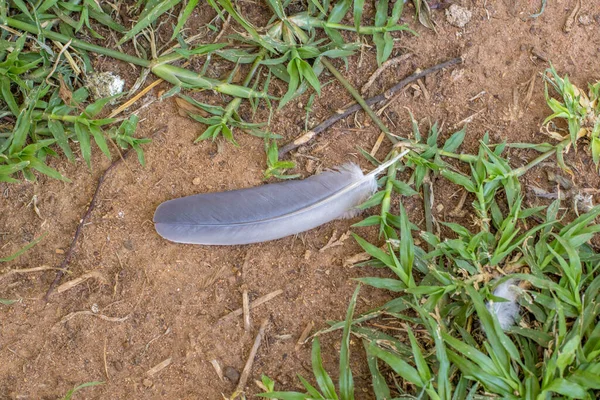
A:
(458, 16)
(147, 383)
(197, 181)
(232, 374)
(118, 365)
(585, 20)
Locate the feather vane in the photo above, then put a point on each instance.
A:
(266, 212)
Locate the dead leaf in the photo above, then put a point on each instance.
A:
(184, 107)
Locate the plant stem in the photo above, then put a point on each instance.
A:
(359, 99)
(235, 103)
(170, 73)
(24, 26)
(427, 207)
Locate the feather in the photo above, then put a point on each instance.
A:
(267, 212)
(507, 311)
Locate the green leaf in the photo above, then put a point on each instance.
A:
(57, 130)
(420, 362)
(7, 302)
(24, 249)
(100, 140)
(567, 388)
(401, 367)
(454, 141)
(70, 393)
(148, 19)
(39, 166)
(84, 142)
(323, 379)
(393, 285)
(346, 382)
(284, 395)
(403, 188)
(374, 251)
(183, 17)
(459, 179)
(380, 387)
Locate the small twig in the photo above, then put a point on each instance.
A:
(223, 28)
(72, 283)
(62, 50)
(571, 18)
(135, 98)
(27, 270)
(373, 100)
(388, 64)
(359, 99)
(248, 367)
(105, 363)
(64, 266)
(246, 310)
(253, 305)
(159, 367)
(218, 369)
(304, 335)
(101, 316)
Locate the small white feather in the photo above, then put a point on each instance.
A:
(507, 311)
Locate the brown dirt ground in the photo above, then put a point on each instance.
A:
(173, 295)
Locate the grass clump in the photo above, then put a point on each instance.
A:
(454, 347)
(581, 111)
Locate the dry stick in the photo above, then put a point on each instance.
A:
(304, 335)
(64, 266)
(105, 363)
(246, 310)
(373, 100)
(254, 304)
(359, 100)
(388, 64)
(248, 367)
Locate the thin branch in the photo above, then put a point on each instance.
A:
(64, 266)
(373, 100)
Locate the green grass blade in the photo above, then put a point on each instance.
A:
(346, 382)
(148, 19)
(323, 379)
(24, 249)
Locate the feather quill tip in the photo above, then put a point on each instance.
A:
(507, 311)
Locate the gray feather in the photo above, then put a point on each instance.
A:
(507, 311)
(266, 212)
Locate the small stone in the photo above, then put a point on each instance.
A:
(457, 74)
(118, 365)
(147, 383)
(439, 208)
(585, 20)
(95, 308)
(232, 374)
(128, 244)
(197, 181)
(458, 16)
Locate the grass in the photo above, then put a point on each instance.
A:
(44, 108)
(460, 350)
